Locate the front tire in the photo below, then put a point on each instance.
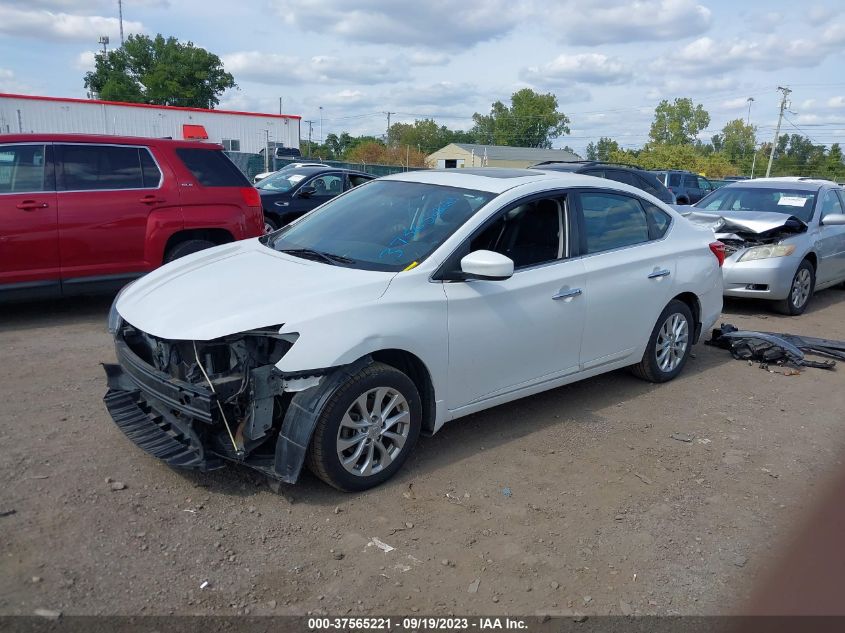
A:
(800, 291)
(669, 344)
(366, 429)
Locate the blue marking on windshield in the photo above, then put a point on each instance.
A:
(394, 248)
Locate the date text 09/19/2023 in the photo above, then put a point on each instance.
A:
(418, 623)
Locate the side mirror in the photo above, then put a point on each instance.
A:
(307, 191)
(833, 219)
(487, 265)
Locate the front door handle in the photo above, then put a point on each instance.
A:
(567, 294)
(29, 205)
(658, 274)
(151, 199)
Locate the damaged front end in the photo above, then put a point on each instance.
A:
(195, 404)
(748, 229)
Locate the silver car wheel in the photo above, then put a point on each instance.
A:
(801, 287)
(672, 342)
(373, 431)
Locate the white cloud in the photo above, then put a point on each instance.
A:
(819, 14)
(423, 58)
(591, 68)
(770, 53)
(9, 83)
(592, 22)
(735, 104)
(430, 24)
(836, 102)
(43, 24)
(274, 68)
(85, 60)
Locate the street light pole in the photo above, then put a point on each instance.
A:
(321, 125)
(750, 100)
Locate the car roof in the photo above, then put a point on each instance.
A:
(798, 184)
(106, 139)
(498, 180)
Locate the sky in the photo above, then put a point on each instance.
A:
(349, 62)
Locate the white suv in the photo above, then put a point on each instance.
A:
(403, 304)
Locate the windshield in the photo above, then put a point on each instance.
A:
(282, 180)
(381, 225)
(797, 202)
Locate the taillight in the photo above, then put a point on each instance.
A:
(251, 196)
(718, 249)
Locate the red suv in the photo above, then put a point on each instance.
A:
(82, 213)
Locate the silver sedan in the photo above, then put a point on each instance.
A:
(784, 237)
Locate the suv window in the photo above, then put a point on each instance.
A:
(355, 180)
(22, 169)
(531, 233)
(612, 221)
(690, 182)
(704, 184)
(619, 175)
(99, 167)
(674, 180)
(212, 168)
(646, 185)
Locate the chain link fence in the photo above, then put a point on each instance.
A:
(252, 164)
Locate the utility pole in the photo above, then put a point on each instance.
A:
(750, 100)
(309, 136)
(120, 16)
(280, 106)
(321, 125)
(387, 136)
(783, 105)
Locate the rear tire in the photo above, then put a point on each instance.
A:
(669, 344)
(682, 201)
(188, 247)
(270, 224)
(366, 429)
(800, 290)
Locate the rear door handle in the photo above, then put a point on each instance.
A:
(151, 199)
(567, 294)
(657, 274)
(29, 205)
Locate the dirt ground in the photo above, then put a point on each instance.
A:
(576, 500)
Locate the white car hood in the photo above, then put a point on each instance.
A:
(239, 287)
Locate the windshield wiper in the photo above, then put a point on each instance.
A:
(309, 253)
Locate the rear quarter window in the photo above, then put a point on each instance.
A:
(212, 168)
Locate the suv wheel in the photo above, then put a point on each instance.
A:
(801, 290)
(188, 247)
(669, 345)
(366, 429)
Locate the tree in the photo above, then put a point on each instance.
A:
(602, 150)
(425, 135)
(678, 123)
(532, 120)
(160, 71)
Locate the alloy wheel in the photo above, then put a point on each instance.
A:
(801, 287)
(373, 431)
(672, 342)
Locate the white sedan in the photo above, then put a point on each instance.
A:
(403, 304)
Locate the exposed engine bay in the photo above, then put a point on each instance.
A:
(748, 228)
(208, 401)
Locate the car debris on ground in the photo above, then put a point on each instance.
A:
(778, 349)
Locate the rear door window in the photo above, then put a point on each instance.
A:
(211, 167)
(612, 221)
(690, 182)
(674, 180)
(103, 167)
(23, 169)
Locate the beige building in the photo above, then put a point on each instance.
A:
(464, 155)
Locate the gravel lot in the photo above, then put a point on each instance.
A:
(606, 512)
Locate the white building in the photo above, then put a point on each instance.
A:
(236, 131)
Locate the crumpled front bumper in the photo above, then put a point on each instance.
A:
(761, 279)
(159, 414)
